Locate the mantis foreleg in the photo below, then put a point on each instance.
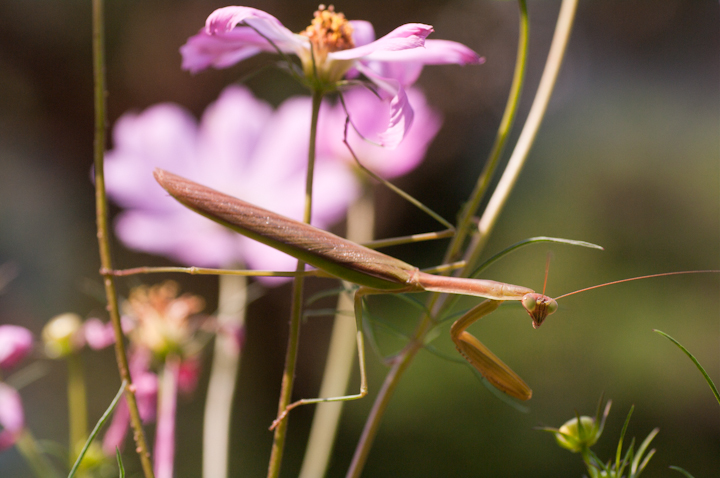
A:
(480, 357)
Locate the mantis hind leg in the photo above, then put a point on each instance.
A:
(479, 356)
(361, 360)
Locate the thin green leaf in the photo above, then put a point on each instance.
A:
(641, 451)
(622, 436)
(695, 361)
(325, 313)
(644, 463)
(121, 467)
(327, 293)
(677, 468)
(606, 412)
(97, 428)
(629, 454)
(410, 239)
(413, 301)
(527, 242)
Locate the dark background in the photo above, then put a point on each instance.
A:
(628, 157)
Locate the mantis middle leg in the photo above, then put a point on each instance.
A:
(359, 294)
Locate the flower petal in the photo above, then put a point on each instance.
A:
(225, 19)
(15, 344)
(363, 32)
(221, 51)
(12, 417)
(401, 113)
(242, 148)
(369, 114)
(435, 52)
(405, 66)
(233, 34)
(184, 236)
(164, 136)
(408, 36)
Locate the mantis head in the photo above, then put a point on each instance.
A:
(539, 306)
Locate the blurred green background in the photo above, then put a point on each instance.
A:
(628, 157)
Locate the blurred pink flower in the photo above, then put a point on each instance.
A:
(12, 418)
(15, 343)
(99, 334)
(369, 115)
(240, 147)
(337, 47)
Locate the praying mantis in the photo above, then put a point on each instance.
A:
(375, 273)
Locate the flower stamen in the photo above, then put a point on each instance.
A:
(328, 32)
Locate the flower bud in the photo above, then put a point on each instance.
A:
(576, 437)
(62, 335)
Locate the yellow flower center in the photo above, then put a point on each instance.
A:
(328, 32)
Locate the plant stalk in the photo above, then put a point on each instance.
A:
(165, 430)
(511, 107)
(341, 354)
(77, 405)
(517, 160)
(103, 232)
(297, 306)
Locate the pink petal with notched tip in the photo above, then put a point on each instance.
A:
(408, 36)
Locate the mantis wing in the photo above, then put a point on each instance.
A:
(333, 254)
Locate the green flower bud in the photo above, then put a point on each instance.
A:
(61, 335)
(576, 437)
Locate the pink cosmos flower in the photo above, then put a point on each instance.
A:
(240, 147)
(15, 343)
(12, 418)
(329, 49)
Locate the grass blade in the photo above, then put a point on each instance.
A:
(695, 361)
(527, 242)
(678, 469)
(636, 467)
(121, 467)
(97, 428)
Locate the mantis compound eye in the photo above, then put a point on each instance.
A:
(552, 306)
(529, 302)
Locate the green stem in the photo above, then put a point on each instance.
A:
(103, 232)
(471, 207)
(435, 304)
(341, 354)
(77, 405)
(297, 306)
(527, 136)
